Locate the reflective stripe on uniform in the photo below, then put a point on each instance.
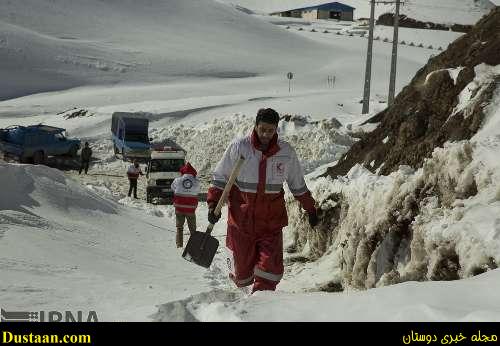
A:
(244, 282)
(243, 185)
(269, 276)
(246, 187)
(184, 206)
(186, 195)
(219, 183)
(252, 187)
(247, 190)
(273, 188)
(300, 191)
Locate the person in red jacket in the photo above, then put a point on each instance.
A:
(257, 212)
(133, 173)
(186, 189)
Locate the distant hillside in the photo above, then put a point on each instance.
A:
(407, 22)
(465, 12)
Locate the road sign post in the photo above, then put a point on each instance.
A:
(289, 75)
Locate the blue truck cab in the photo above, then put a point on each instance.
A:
(129, 132)
(35, 143)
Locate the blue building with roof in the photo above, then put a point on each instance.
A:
(331, 10)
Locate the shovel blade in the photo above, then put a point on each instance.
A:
(193, 251)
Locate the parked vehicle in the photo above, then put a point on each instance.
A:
(130, 135)
(163, 168)
(36, 142)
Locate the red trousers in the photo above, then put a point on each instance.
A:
(256, 259)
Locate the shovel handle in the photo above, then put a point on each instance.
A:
(229, 185)
(227, 188)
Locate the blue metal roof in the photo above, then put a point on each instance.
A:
(331, 6)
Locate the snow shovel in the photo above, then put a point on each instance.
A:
(201, 246)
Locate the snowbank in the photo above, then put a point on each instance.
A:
(31, 186)
(437, 223)
(468, 300)
(316, 142)
(63, 247)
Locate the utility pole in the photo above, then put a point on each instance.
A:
(369, 53)
(394, 58)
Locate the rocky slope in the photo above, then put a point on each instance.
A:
(425, 114)
(418, 198)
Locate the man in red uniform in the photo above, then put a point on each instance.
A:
(186, 189)
(133, 173)
(257, 212)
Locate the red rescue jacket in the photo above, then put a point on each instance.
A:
(256, 203)
(186, 189)
(133, 172)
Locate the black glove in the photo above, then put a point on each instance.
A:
(212, 218)
(313, 218)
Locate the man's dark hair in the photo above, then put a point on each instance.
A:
(267, 115)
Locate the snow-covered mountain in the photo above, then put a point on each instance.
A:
(445, 12)
(63, 45)
(170, 48)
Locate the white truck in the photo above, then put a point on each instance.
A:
(163, 167)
